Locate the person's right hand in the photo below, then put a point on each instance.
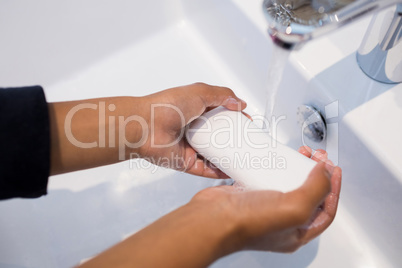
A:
(276, 221)
(167, 114)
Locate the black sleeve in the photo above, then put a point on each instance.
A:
(24, 142)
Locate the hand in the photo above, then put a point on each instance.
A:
(219, 221)
(280, 222)
(168, 112)
(151, 127)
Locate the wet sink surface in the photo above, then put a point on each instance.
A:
(85, 50)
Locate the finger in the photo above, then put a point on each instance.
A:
(325, 216)
(320, 155)
(214, 96)
(234, 104)
(206, 169)
(302, 202)
(331, 202)
(197, 165)
(211, 171)
(316, 187)
(243, 112)
(306, 151)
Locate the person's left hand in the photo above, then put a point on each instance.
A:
(276, 221)
(168, 112)
(221, 220)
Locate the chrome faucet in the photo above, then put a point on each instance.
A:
(292, 23)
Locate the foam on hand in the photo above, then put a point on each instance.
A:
(246, 153)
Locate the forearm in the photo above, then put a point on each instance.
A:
(191, 236)
(91, 133)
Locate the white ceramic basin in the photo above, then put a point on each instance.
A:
(87, 49)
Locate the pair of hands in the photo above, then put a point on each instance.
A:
(218, 220)
(267, 220)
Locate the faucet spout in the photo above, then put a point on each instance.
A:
(292, 23)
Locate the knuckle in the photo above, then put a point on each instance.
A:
(201, 87)
(227, 91)
(200, 84)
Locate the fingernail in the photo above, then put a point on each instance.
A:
(232, 100)
(319, 155)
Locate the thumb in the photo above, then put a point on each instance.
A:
(304, 200)
(317, 186)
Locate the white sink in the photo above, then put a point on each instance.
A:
(91, 49)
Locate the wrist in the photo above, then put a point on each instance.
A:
(134, 126)
(221, 223)
(194, 235)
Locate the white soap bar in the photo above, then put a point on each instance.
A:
(246, 153)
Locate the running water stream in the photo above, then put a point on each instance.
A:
(287, 13)
(275, 72)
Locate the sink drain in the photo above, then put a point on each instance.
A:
(312, 123)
